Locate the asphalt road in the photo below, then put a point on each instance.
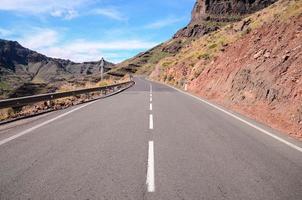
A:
(122, 147)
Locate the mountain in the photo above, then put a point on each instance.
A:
(207, 16)
(19, 65)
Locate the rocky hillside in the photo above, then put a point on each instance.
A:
(252, 66)
(19, 66)
(207, 16)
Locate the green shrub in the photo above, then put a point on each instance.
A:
(4, 86)
(167, 63)
(205, 56)
(213, 46)
(103, 84)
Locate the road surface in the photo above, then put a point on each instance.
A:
(149, 142)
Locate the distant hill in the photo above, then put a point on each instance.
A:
(19, 66)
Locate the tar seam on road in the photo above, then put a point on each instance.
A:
(242, 120)
(150, 172)
(42, 124)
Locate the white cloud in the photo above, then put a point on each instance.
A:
(5, 32)
(110, 45)
(82, 50)
(66, 14)
(39, 6)
(163, 23)
(65, 8)
(53, 43)
(110, 13)
(39, 38)
(50, 43)
(57, 13)
(71, 54)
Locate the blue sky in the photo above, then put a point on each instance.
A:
(85, 30)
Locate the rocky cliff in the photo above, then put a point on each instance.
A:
(210, 15)
(19, 65)
(205, 9)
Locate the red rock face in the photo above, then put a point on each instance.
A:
(260, 75)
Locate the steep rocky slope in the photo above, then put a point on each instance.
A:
(207, 16)
(253, 66)
(19, 65)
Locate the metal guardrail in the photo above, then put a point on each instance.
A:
(23, 101)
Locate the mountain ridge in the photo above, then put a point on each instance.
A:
(20, 65)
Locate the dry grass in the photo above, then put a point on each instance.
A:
(6, 113)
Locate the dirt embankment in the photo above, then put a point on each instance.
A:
(260, 75)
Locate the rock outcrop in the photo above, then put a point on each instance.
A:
(209, 15)
(204, 9)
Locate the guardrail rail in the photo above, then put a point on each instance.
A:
(23, 101)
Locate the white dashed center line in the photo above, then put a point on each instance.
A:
(151, 122)
(150, 171)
